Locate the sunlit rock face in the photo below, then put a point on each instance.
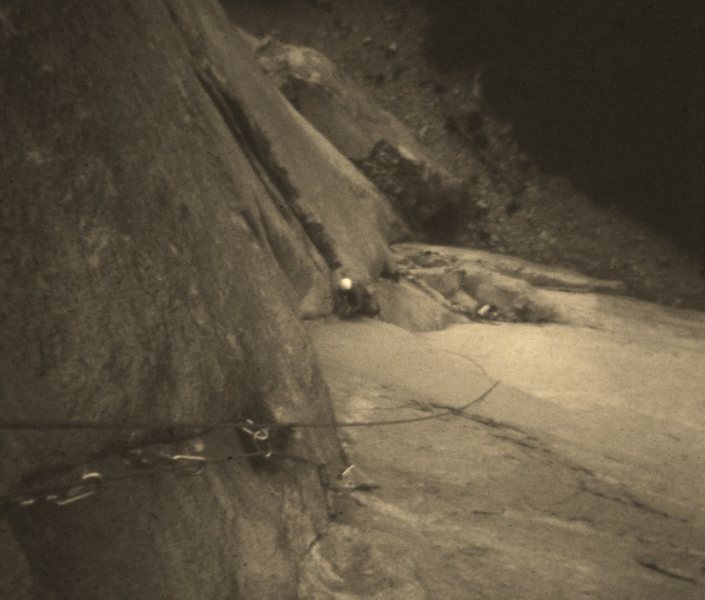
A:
(576, 476)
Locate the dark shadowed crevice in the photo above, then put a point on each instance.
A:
(431, 201)
(250, 139)
(653, 566)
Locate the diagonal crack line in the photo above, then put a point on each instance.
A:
(490, 422)
(629, 501)
(312, 544)
(653, 566)
(523, 442)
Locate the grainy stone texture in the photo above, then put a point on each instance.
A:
(574, 478)
(166, 218)
(466, 280)
(384, 149)
(406, 305)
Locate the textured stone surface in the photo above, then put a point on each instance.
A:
(514, 289)
(341, 213)
(539, 275)
(330, 100)
(166, 218)
(386, 152)
(404, 304)
(577, 477)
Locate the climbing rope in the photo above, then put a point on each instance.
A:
(146, 463)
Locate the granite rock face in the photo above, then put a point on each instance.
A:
(167, 218)
(570, 469)
(168, 221)
(376, 141)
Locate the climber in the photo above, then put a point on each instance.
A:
(354, 300)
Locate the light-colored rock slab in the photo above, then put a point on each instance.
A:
(517, 268)
(579, 476)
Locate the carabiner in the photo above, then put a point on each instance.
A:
(91, 481)
(194, 464)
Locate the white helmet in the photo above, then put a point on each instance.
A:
(345, 283)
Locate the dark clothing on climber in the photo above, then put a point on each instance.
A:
(355, 301)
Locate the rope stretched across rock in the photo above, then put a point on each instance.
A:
(38, 425)
(90, 482)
